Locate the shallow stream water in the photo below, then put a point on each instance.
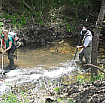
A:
(38, 64)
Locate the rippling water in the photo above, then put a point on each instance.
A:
(37, 64)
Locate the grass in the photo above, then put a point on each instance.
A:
(12, 98)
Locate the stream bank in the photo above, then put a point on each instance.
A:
(84, 92)
(72, 93)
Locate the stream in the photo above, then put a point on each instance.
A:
(51, 63)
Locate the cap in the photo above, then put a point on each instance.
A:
(84, 31)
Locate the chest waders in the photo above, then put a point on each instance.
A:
(11, 55)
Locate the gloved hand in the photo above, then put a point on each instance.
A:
(78, 46)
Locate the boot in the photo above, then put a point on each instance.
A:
(12, 64)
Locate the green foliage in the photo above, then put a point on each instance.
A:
(80, 78)
(57, 89)
(71, 101)
(37, 10)
(100, 27)
(69, 27)
(9, 98)
(1, 24)
(95, 78)
(12, 98)
(58, 99)
(40, 8)
(42, 85)
(104, 21)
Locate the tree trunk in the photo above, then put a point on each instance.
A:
(97, 31)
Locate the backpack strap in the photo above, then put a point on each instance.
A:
(86, 36)
(9, 39)
(3, 41)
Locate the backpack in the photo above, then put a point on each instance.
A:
(14, 37)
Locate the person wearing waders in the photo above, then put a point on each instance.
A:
(87, 45)
(10, 47)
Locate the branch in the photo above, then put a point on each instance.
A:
(27, 5)
(95, 67)
(10, 7)
(5, 21)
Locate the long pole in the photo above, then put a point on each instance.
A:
(16, 53)
(2, 55)
(2, 65)
(80, 38)
(77, 48)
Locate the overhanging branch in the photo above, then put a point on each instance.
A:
(95, 67)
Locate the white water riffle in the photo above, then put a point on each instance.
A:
(33, 75)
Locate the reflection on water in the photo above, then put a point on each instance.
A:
(32, 56)
(54, 54)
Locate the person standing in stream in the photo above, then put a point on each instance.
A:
(87, 45)
(10, 47)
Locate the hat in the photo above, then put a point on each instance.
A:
(84, 31)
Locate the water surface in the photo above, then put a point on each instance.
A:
(38, 64)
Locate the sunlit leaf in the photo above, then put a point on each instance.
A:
(104, 21)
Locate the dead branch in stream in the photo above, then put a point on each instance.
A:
(95, 67)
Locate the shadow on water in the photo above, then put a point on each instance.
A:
(38, 64)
